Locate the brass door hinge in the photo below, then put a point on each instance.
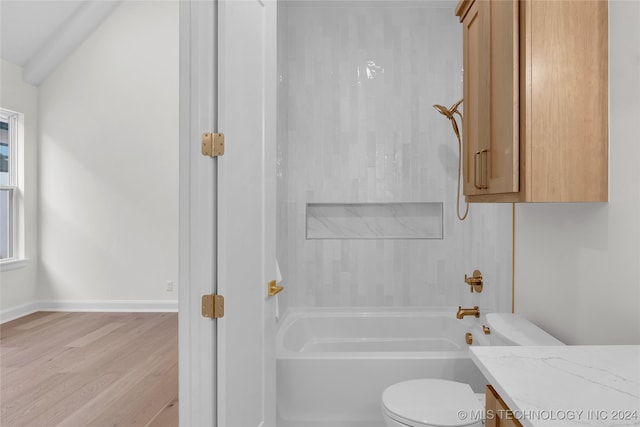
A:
(212, 144)
(213, 306)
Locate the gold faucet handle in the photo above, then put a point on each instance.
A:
(475, 281)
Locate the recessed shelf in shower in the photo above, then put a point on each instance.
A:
(410, 220)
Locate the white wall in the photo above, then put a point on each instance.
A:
(356, 124)
(109, 166)
(19, 287)
(578, 265)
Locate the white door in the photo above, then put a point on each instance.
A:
(246, 212)
(196, 334)
(227, 212)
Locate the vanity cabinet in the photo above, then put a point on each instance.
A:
(498, 413)
(535, 100)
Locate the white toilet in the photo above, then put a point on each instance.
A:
(444, 403)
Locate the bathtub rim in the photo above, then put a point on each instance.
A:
(294, 314)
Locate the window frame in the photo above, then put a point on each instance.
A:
(15, 258)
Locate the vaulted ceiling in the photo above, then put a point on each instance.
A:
(39, 34)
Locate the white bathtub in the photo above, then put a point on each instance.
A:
(333, 365)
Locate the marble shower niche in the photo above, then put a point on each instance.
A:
(374, 221)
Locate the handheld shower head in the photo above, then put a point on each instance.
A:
(443, 110)
(454, 107)
(448, 112)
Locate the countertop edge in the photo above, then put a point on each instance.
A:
(609, 375)
(497, 387)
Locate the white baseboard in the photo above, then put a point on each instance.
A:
(17, 312)
(109, 305)
(125, 306)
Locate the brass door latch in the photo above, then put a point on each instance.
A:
(212, 144)
(475, 281)
(274, 288)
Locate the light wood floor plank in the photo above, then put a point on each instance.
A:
(56, 412)
(52, 336)
(47, 317)
(95, 335)
(52, 355)
(139, 406)
(89, 369)
(124, 386)
(18, 403)
(167, 417)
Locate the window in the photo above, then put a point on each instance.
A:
(9, 190)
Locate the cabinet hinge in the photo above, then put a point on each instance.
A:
(212, 144)
(213, 306)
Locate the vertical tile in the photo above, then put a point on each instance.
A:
(349, 132)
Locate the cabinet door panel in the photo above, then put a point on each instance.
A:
(498, 413)
(569, 125)
(476, 94)
(501, 172)
(535, 100)
(491, 98)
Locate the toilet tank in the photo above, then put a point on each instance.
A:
(511, 329)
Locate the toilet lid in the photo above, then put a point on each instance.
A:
(432, 402)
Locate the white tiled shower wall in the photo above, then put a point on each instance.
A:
(356, 124)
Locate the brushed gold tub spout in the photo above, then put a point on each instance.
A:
(475, 311)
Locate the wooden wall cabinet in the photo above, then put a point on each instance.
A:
(535, 100)
(497, 412)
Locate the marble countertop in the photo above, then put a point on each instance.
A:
(565, 385)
